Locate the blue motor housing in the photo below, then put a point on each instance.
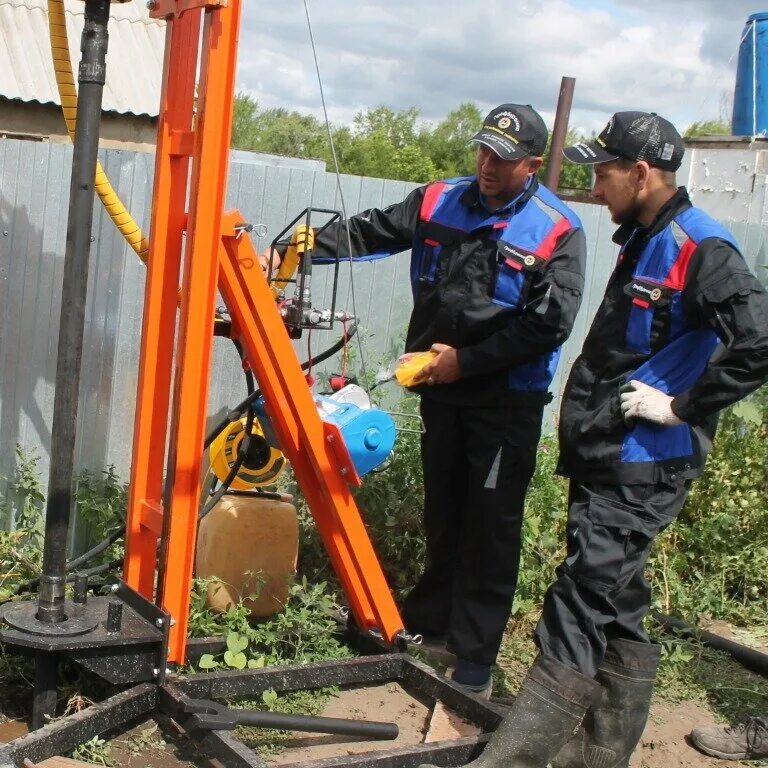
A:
(368, 433)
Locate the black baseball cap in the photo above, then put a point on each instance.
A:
(513, 131)
(634, 136)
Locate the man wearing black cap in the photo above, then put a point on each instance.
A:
(497, 265)
(682, 332)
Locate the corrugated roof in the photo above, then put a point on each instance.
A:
(134, 58)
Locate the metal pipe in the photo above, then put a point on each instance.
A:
(91, 79)
(748, 657)
(559, 132)
(284, 722)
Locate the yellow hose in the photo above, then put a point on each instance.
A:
(65, 81)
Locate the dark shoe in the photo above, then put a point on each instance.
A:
(613, 727)
(473, 678)
(745, 741)
(548, 708)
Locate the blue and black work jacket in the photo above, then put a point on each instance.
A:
(503, 287)
(682, 313)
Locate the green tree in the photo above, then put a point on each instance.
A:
(448, 144)
(277, 131)
(398, 128)
(708, 128)
(573, 177)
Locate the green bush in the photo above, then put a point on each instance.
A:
(714, 559)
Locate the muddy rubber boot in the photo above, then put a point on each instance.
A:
(745, 741)
(613, 727)
(548, 708)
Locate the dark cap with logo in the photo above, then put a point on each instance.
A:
(634, 136)
(513, 131)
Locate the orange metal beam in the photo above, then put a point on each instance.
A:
(214, 253)
(193, 359)
(160, 304)
(302, 434)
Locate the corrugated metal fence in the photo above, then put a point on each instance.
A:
(34, 184)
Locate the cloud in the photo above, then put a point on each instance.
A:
(670, 57)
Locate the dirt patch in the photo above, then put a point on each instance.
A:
(389, 702)
(155, 742)
(12, 729)
(665, 740)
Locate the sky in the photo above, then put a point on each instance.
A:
(674, 57)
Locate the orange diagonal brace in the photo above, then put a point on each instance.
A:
(302, 436)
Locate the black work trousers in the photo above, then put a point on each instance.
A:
(601, 592)
(477, 464)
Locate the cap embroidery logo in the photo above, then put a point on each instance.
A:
(505, 119)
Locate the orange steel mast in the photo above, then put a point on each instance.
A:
(200, 242)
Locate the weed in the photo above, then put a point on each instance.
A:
(96, 751)
(146, 740)
(304, 631)
(101, 504)
(694, 672)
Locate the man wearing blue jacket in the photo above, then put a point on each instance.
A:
(682, 333)
(497, 273)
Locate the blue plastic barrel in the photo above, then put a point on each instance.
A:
(750, 99)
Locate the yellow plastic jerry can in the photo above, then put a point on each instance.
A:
(248, 546)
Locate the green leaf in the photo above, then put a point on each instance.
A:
(207, 662)
(235, 660)
(269, 697)
(236, 642)
(256, 663)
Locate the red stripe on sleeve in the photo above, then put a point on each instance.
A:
(548, 244)
(429, 203)
(676, 277)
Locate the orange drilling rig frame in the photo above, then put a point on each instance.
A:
(201, 243)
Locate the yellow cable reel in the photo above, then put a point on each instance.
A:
(261, 465)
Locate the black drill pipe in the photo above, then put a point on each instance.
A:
(751, 658)
(91, 79)
(311, 724)
(559, 133)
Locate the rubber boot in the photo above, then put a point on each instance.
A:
(548, 708)
(613, 727)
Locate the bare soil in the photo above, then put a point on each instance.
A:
(665, 741)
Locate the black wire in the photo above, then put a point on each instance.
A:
(238, 410)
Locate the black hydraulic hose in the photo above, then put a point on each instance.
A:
(243, 448)
(216, 498)
(238, 410)
(285, 722)
(96, 550)
(96, 570)
(749, 657)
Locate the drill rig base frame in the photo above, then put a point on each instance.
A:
(173, 699)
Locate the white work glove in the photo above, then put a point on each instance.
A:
(639, 401)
